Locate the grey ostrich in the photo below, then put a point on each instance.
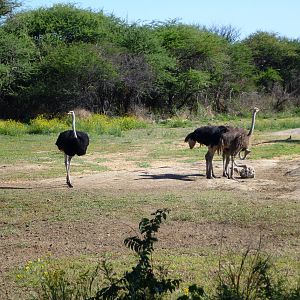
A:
(234, 141)
(72, 142)
(211, 137)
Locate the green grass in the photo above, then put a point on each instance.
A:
(208, 206)
(276, 150)
(193, 264)
(159, 143)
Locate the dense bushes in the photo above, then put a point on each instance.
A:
(54, 59)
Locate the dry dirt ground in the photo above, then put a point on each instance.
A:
(276, 178)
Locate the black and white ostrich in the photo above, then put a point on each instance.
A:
(72, 142)
(209, 136)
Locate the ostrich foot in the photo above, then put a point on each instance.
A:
(69, 184)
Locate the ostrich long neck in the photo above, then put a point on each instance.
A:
(73, 125)
(252, 125)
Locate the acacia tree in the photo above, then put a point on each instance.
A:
(7, 6)
(66, 22)
(230, 33)
(73, 75)
(277, 64)
(17, 68)
(206, 66)
(62, 56)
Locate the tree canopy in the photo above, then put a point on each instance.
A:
(54, 59)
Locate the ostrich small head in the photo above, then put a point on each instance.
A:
(191, 143)
(246, 152)
(71, 112)
(255, 109)
(190, 140)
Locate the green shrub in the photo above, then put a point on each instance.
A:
(40, 125)
(97, 124)
(102, 124)
(11, 127)
(142, 282)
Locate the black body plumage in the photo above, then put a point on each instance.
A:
(207, 135)
(70, 145)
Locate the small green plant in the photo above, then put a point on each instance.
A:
(194, 292)
(52, 280)
(144, 164)
(142, 282)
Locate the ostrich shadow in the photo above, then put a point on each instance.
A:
(32, 188)
(169, 176)
(15, 188)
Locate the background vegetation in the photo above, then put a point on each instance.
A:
(58, 58)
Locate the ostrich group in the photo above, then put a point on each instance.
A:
(231, 141)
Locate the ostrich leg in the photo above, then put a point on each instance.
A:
(209, 167)
(224, 164)
(226, 159)
(231, 169)
(212, 151)
(68, 164)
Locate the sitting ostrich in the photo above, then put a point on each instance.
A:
(211, 137)
(72, 142)
(234, 141)
(244, 171)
